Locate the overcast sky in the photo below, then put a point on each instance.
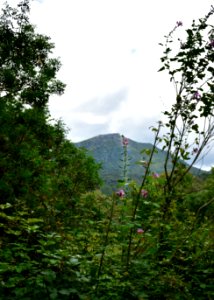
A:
(110, 56)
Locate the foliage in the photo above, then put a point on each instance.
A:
(106, 149)
(61, 238)
(161, 245)
(42, 175)
(28, 74)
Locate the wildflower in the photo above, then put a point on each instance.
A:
(140, 231)
(211, 44)
(155, 175)
(179, 23)
(195, 150)
(120, 193)
(124, 140)
(196, 95)
(144, 193)
(182, 45)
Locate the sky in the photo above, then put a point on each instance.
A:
(110, 55)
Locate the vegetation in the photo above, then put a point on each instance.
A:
(61, 238)
(42, 175)
(106, 149)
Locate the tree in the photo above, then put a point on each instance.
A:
(42, 174)
(27, 73)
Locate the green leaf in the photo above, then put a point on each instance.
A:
(49, 275)
(161, 69)
(5, 267)
(6, 205)
(74, 261)
(68, 291)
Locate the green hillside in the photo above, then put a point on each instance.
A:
(107, 149)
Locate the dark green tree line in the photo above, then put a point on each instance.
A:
(42, 174)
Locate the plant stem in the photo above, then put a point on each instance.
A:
(105, 241)
(139, 195)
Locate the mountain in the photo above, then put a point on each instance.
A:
(107, 149)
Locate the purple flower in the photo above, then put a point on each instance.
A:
(155, 175)
(144, 193)
(196, 95)
(125, 141)
(195, 150)
(211, 43)
(120, 193)
(140, 231)
(183, 45)
(179, 23)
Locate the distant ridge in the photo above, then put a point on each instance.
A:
(107, 150)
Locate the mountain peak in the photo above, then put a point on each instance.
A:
(107, 149)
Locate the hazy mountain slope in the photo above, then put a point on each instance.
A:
(107, 149)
